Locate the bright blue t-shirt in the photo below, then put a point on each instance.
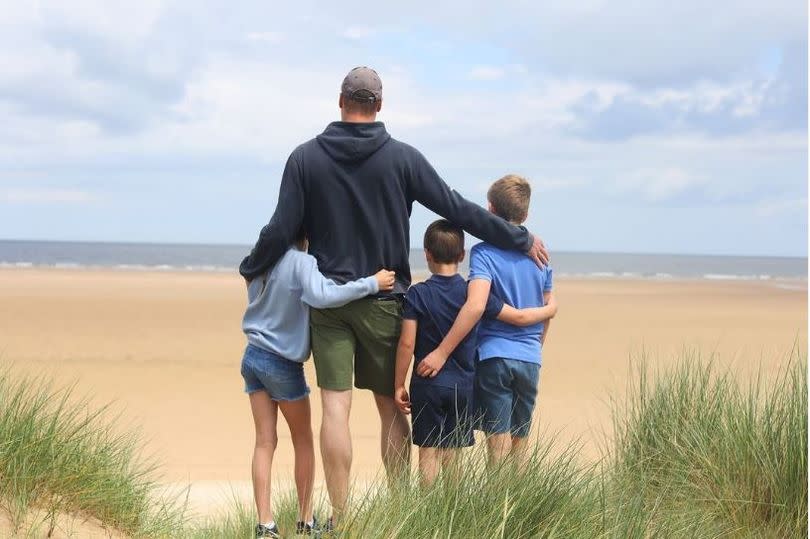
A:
(518, 281)
(435, 304)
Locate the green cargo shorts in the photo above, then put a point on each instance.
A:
(357, 339)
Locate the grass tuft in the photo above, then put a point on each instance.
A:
(57, 456)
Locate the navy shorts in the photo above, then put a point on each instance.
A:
(505, 391)
(281, 378)
(441, 416)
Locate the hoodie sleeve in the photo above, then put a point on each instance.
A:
(431, 191)
(277, 235)
(321, 293)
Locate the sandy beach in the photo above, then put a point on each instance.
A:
(166, 347)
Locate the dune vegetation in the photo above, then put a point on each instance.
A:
(694, 452)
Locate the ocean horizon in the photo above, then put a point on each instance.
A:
(226, 257)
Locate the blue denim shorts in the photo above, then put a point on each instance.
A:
(265, 371)
(505, 391)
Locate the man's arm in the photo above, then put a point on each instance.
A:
(428, 188)
(407, 342)
(468, 317)
(277, 235)
(530, 315)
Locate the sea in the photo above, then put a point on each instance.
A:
(226, 258)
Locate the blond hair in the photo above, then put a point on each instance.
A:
(510, 197)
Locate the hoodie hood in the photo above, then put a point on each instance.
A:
(352, 142)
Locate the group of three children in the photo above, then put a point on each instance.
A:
(467, 375)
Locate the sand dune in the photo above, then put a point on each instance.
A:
(166, 348)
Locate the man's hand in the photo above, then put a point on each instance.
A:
(431, 365)
(538, 252)
(385, 280)
(402, 400)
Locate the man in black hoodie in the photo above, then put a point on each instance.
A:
(352, 189)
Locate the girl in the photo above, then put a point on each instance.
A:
(276, 324)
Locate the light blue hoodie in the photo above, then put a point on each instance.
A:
(277, 315)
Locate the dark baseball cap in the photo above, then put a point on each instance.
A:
(362, 84)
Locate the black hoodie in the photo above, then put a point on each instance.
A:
(352, 187)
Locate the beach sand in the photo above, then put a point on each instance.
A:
(166, 348)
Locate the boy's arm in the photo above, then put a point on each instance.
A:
(322, 293)
(530, 315)
(547, 297)
(468, 317)
(407, 341)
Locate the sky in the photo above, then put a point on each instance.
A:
(644, 126)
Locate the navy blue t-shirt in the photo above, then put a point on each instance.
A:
(435, 304)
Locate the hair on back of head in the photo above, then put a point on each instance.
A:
(510, 197)
(301, 235)
(364, 108)
(445, 242)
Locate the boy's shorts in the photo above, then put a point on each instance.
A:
(357, 342)
(505, 392)
(441, 416)
(281, 378)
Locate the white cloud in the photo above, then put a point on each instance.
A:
(771, 208)
(658, 185)
(487, 73)
(267, 37)
(358, 32)
(40, 195)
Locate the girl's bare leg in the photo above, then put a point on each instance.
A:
(298, 416)
(265, 416)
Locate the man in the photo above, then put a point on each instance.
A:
(352, 188)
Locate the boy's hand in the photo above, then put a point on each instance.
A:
(431, 365)
(385, 280)
(552, 305)
(402, 400)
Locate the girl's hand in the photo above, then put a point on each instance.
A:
(385, 279)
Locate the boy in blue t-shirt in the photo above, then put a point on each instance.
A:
(442, 404)
(509, 356)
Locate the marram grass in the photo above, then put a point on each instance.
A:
(59, 457)
(694, 453)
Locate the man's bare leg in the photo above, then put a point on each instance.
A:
(336, 446)
(395, 439)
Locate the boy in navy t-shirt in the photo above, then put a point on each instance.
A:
(442, 404)
(509, 356)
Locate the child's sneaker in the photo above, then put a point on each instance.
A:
(304, 528)
(264, 531)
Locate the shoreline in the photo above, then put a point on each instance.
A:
(418, 275)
